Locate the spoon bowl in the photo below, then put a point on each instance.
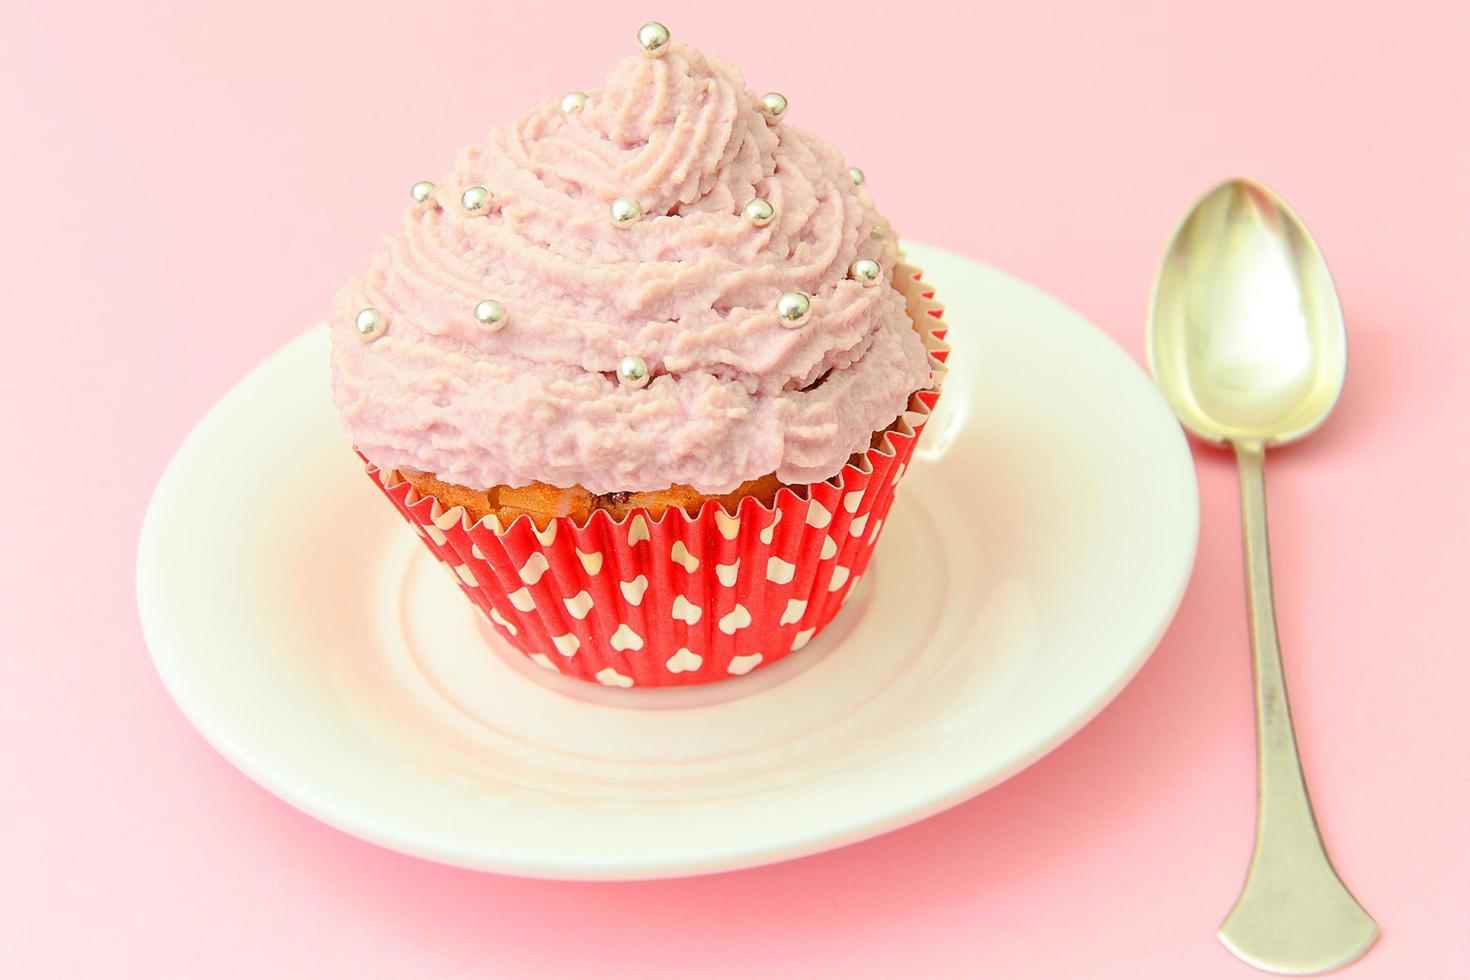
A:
(1246, 336)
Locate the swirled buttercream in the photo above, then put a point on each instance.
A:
(690, 288)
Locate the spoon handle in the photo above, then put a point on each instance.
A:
(1294, 915)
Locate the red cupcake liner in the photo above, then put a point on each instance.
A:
(682, 600)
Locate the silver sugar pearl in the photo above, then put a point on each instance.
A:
(572, 103)
(759, 212)
(632, 372)
(865, 271)
(370, 324)
(773, 106)
(475, 200)
(856, 174)
(624, 211)
(653, 38)
(490, 312)
(422, 192)
(794, 309)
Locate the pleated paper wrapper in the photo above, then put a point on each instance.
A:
(682, 600)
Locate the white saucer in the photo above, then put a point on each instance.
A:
(1038, 548)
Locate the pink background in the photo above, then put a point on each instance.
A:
(186, 188)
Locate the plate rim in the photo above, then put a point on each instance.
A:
(838, 832)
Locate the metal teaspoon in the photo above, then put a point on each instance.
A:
(1246, 339)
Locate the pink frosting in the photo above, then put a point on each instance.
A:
(691, 289)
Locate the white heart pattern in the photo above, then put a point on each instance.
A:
(612, 678)
(839, 577)
(509, 626)
(803, 637)
(898, 473)
(625, 639)
(545, 661)
(592, 562)
(567, 644)
(852, 501)
(686, 610)
(435, 535)
(729, 526)
(736, 619)
(521, 599)
(818, 516)
(877, 526)
(637, 530)
(547, 536)
(780, 572)
(681, 556)
(768, 533)
(633, 591)
(534, 568)
(795, 609)
(829, 547)
(579, 605)
(727, 573)
(744, 665)
(685, 659)
(465, 575)
(857, 525)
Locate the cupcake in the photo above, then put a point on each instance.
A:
(643, 370)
